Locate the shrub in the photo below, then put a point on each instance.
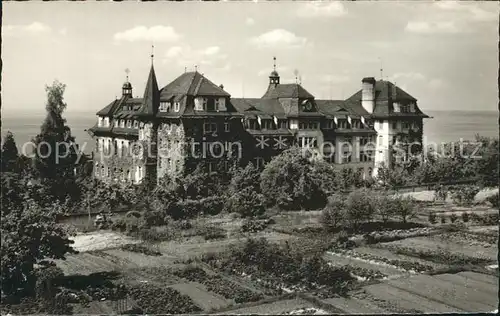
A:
(465, 217)
(404, 207)
(333, 214)
(432, 218)
(182, 224)
(211, 232)
(493, 199)
(453, 217)
(360, 207)
(141, 249)
(440, 193)
(443, 219)
(248, 203)
(253, 226)
(464, 195)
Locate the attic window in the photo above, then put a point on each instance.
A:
(164, 106)
(177, 106)
(136, 124)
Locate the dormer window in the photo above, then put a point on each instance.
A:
(164, 106)
(136, 124)
(177, 106)
(99, 121)
(122, 123)
(220, 104)
(267, 124)
(330, 124)
(283, 124)
(129, 124)
(342, 124)
(204, 103)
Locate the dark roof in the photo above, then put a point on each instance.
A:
(193, 84)
(274, 73)
(384, 91)
(127, 85)
(151, 99)
(108, 109)
(288, 90)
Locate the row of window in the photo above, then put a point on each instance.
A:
(212, 128)
(210, 104)
(283, 124)
(117, 174)
(166, 106)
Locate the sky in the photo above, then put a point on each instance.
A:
(444, 53)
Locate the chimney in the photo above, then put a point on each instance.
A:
(221, 86)
(368, 94)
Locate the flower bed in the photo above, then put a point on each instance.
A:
(141, 249)
(219, 285)
(281, 268)
(402, 265)
(161, 300)
(440, 255)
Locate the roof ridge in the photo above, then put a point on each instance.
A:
(198, 85)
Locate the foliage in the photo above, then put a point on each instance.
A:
(487, 164)
(211, 232)
(162, 300)
(247, 203)
(255, 225)
(360, 207)
(443, 219)
(465, 217)
(10, 154)
(453, 218)
(280, 266)
(199, 184)
(464, 195)
(140, 249)
(249, 177)
(290, 180)
(30, 234)
(386, 206)
(392, 177)
(191, 208)
(432, 218)
(440, 193)
(493, 199)
(334, 213)
(404, 207)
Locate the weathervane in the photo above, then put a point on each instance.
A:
(274, 63)
(381, 69)
(196, 68)
(152, 53)
(127, 71)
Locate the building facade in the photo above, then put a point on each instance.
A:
(192, 121)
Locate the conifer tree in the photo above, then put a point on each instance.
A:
(10, 154)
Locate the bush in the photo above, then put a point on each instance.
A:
(443, 219)
(432, 218)
(254, 226)
(247, 202)
(191, 208)
(493, 200)
(152, 234)
(464, 195)
(440, 193)
(182, 224)
(360, 207)
(141, 249)
(211, 232)
(333, 214)
(453, 218)
(465, 217)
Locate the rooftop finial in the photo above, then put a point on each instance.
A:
(152, 53)
(381, 69)
(274, 63)
(185, 69)
(196, 68)
(127, 71)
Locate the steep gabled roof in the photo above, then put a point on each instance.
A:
(288, 90)
(108, 109)
(384, 91)
(340, 107)
(192, 84)
(151, 99)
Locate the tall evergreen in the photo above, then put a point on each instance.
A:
(10, 154)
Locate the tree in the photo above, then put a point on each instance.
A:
(386, 207)
(291, 180)
(249, 177)
(10, 154)
(392, 178)
(360, 207)
(247, 202)
(404, 207)
(487, 164)
(334, 212)
(30, 235)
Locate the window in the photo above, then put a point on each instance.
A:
(122, 123)
(346, 153)
(177, 106)
(209, 127)
(129, 123)
(226, 127)
(253, 124)
(306, 142)
(212, 167)
(99, 121)
(141, 134)
(283, 124)
(220, 104)
(267, 124)
(381, 140)
(405, 125)
(164, 106)
(342, 124)
(204, 103)
(394, 125)
(258, 162)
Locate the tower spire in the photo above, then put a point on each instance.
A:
(381, 69)
(152, 53)
(274, 63)
(127, 71)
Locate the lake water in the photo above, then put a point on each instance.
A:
(445, 126)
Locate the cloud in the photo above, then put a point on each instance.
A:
(436, 84)
(279, 38)
(249, 21)
(188, 57)
(425, 27)
(408, 75)
(322, 9)
(468, 10)
(158, 33)
(329, 79)
(33, 28)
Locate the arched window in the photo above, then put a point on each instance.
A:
(96, 171)
(103, 172)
